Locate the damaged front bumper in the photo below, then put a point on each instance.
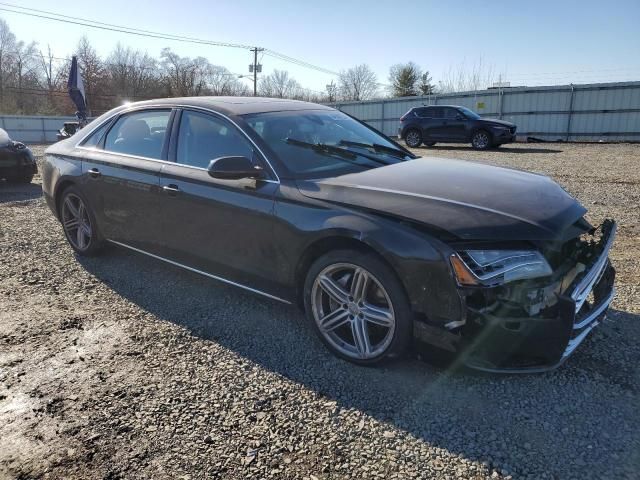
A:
(502, 339)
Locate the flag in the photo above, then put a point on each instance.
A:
(76, 90)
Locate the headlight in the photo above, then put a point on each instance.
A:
(493, 267)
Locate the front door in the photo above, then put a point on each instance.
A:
(454, 125)
(221, 227)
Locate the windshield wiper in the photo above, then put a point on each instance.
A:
(396, 152)
(343, 153)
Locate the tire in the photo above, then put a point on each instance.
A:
(22, 179)
(429, 144)
(413, 138)
(82, 235)
(481, 140)
(377, 328)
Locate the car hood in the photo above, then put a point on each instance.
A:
(495, 121)
(469, 200)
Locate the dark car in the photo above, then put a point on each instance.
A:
(453, 124)
(68, 129)
(17, 164)
(304, 204)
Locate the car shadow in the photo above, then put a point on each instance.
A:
(15, 192)
(466, 413)
(498, 150)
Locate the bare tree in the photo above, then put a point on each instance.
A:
(92, 71)
(7, 52)
(222, 82)
(464, 78)
(358, 83)
(279, 84)
(25, 61)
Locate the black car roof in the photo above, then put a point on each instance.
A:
(235, 105)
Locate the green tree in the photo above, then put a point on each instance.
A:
(404, 79)
(425, 86)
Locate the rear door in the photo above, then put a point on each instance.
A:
(431, 121)
(121, 177)
(222, 227)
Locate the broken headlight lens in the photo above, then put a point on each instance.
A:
(493, 267)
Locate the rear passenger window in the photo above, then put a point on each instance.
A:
(421, 112)
(435, 112)
(141, 134)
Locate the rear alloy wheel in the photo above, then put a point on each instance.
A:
(78, 223)
(481, 140)
(413, 138)
(357, 307)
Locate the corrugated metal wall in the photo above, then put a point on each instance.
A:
(603, 111)
(33, 129)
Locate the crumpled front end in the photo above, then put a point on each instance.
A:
(536, 324)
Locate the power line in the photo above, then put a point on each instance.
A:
(48, 15)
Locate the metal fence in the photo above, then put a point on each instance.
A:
(594, 112)
(33, 129)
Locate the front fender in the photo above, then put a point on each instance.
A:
(419, 260)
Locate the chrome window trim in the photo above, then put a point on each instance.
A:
(201, 272)
(166, 162)
(171, 107)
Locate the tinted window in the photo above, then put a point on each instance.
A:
(203, 138)
(96, 136)
(421, 112)
(141, 134)
(451, 113)
(435, 112)
(470, 113)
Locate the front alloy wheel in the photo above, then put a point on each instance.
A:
(353, 311)
(358, 307)
(481, 140)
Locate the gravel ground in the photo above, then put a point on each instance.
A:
(125, 367)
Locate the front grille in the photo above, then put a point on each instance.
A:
(592, 294)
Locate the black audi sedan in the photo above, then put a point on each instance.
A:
(453, 124)
(304, 204)
(17, 164)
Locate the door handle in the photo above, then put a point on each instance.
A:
(94, 173)
(171, 189)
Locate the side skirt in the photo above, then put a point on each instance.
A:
(215, 277)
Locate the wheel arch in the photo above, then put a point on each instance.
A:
(327, 244)
(62, 185)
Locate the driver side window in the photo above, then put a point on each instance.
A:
(202, 138)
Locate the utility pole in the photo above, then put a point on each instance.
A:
(255, 68)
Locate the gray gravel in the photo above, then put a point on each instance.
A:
(123, 367)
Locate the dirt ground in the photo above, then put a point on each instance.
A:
(120, 366)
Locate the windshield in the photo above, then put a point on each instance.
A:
(290, 133)
(469, 113)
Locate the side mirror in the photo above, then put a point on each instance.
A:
(234, 168)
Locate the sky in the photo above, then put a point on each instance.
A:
(535, 42)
